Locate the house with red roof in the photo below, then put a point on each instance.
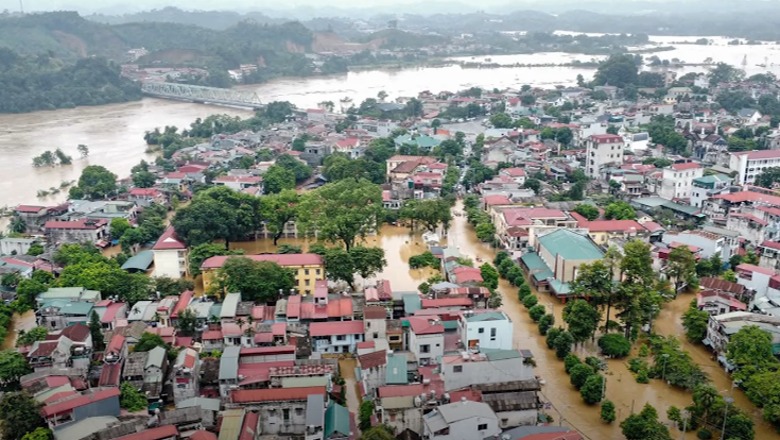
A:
(186, 375)
(602, 150)
(677, 180)
(144, 197)
(94, 402)
(34, 216)
(336, 336)
(164, 432)
(426, 339)
(278, 411)
(76, 231)
(373, 369)
(518, 226)
(308, 268)
(604, 231)
(109, 312)
(171, 257)
(755, 278)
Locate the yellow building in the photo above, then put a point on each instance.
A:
(308, 268)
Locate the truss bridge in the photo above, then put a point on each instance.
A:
(202, 95)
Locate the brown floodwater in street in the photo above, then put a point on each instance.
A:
(25, 321)
(398, 242)
(622, 389)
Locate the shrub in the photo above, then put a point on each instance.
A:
(551, 335)
(642, 377)
(644, 351)
(615, 345)
(591, 391)
(426, 259)
(518, 281)
(636, 364)
(545, 322)
(530, 301)
(579, 374)
(608, 411)
(570, 361)
(536, 312)
(523, 291)
(562, 344)
(704, 434)
(594, 362)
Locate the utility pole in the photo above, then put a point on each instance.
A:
(728, 400)
(685, 424)
(21, 6)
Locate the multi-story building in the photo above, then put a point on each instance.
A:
(426, 339)
(170, 256)
(76, 231)
(461, 421)
(518, 227)
(677, 180)
(601, 150)
(489, 329)
(186, 375)
(308, 268)
(749, 164)
(706, 187)
(336, 336)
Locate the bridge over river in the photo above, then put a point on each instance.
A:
(202, 95)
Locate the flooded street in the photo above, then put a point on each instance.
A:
(347, 370)
(622, 389)
(25, 321)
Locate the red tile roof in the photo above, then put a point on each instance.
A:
(374, 312)
(109, 375)
(203, 435)
(685, 166)
(759, 154)
(249, 428)
(750, 196)
(294, 307)
(212, 335)
(281, 349)
(606, 138)
(497, 199)
(753, 268)
(425, 326)
(145, 192)
(44, 349)
(96, 395)
(32, 209)
(76, 333)
(466, 274)
(400, 390)
(184, 301)
(280, 259)
(274, 394)
(340, 308)
(161, 432)
(84, 224)
(335, 328)
(614, 226)
(169, 241)
(771, 244)
(111, 311)
(116, 343)
(373, 360)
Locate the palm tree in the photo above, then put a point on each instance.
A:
(18, 225)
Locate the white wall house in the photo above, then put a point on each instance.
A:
(677, 182)
(461, 421)
(170, 256)
(491, 329)
(426, 340)
(602, 150)
(749, 164)
(466, 369)
(336, 336)
(754, 278)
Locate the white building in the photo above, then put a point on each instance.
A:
(426, 340)
(710, 243)
(336, 336)
(491, 329)
(749, 164)
(677, 181)
(170, 256)
(601, 150)
(754, 278)
(461, 421)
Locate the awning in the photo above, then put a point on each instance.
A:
(725, 362)
(707, 342)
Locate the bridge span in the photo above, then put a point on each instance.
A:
(201, 94)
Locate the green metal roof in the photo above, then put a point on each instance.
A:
(450, 325)
(78, 308)
(536, 266)
(140, 261)
(395, 372)
(495, 354)
(336, 420)
(570, 245)
(560, 288)
(412, 303)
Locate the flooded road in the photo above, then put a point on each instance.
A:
(25, 321)
(622, 389)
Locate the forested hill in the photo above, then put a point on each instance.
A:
(69, 36)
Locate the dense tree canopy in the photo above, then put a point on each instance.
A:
(217, 213)
(343, 211)
(19, 415)
(259, 281)
(618, 71)
(96, 182)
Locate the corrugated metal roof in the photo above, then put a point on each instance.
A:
(396, 370)
(315, 410)
(570, 245)
(336, 420)
(232, 421)
(228, 363)
(139, 261)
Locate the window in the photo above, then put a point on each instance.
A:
(376, 335)
(425, 348)
(306, 281)
(481, 330)
(457, 369)
(318, 271)
(340, 337)
(492, 334)
(305, 271)
(286, 415)
(482, 427)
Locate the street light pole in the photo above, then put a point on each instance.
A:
(728, 401)
(685, 423)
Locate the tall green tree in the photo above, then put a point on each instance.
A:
(279, 209)
(130, 398)
(13, 365)
(682, 267)
(695, 323)
(203, 252)
(259, 281)
(619, 211)
(343, 211)
(618, 71)
(644, 426)
(19, 415)
(430, 213)
(750, 350)
(96, 182)
(582, 319)
(218, 213)
(96, 331)
(277, 179)
(342, 264)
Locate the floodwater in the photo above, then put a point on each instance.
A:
(114, 133)
(622, 389)
(25, 321)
